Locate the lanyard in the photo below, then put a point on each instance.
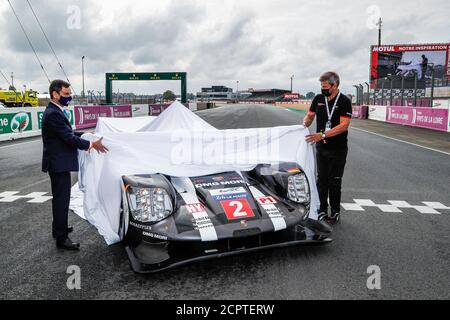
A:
(330, 114)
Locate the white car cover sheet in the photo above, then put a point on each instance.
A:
(179, 144)
(138, 124)
(412, 67)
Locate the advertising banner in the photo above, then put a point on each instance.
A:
(157, 109)
(291, 96)
(431, 118)
(17, 122)
(68, 112)
(422, 61)
(359, 112)
(122, 111)
(87, 116)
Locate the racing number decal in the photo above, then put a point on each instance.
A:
(195, 207)
(238, 212)
(237, 209)
(266, 200)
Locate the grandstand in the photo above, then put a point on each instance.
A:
(266, 95)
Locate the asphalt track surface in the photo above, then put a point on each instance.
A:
(410, 248)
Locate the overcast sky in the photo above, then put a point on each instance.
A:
(259, 43)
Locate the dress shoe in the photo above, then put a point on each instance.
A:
(69, 230)
(68, 245)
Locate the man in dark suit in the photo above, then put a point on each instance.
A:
(60, 157)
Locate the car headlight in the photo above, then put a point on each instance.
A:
(149, 204)
(298, 188)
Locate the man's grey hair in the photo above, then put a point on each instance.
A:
(331, 77)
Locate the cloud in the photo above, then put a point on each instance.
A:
(261, 44)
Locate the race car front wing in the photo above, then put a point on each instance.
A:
(160, 256)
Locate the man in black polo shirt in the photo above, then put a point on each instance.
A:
(333, 111)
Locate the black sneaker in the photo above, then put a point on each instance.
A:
(333, 218)
(322, 216)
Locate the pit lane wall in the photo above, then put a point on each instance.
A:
(436, 118)
(17, 123)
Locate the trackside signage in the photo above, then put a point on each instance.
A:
(18, 123)
(69, 114)
(15, 122)
(87, 116)
(431, 118)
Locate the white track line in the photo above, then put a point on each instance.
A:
(35, 184)
(19, 144)
(413, 144)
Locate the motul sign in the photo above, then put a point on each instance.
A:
(414, 47)
(291, 96)
(383, 49)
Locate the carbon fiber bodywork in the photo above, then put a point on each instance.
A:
(218, 215)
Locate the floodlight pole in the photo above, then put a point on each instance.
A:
(403, 88)
(292, 79)
(82, 75)
(415, 88)
(432, 86)
(379, 24)
(392, 87)
(357, 93)
(368, 93)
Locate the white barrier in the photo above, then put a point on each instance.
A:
(18, 123)
(192, 106)
(139, 110)
(441, 103)
(377, 113)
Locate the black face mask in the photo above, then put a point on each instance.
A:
(326, 92)
(65, 101)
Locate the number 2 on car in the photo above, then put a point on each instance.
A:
(237, 209)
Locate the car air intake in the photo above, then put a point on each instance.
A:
(246, 232)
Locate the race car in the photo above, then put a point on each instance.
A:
(170, 221)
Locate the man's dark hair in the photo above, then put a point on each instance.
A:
(57, 86)
(331, 77)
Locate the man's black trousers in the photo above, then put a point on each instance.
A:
(330, 169)
(61, 185)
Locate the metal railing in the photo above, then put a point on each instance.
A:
(400, 82)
